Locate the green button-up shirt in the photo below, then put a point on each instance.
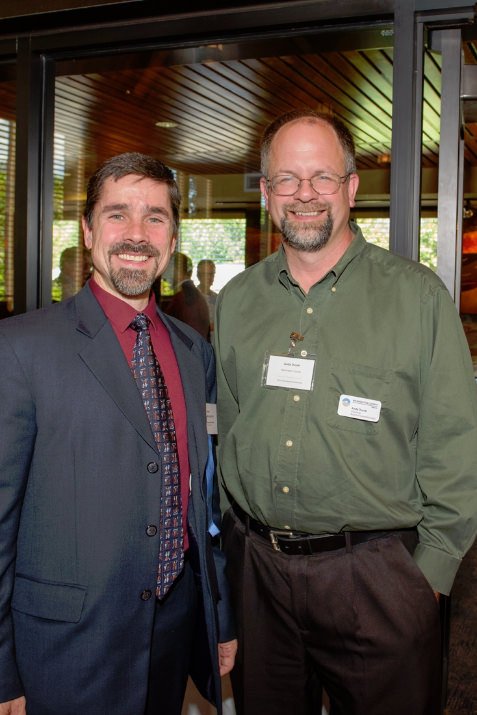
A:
(382, 328)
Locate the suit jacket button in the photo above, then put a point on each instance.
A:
(151, 530)
(146, 595)
(152, 467)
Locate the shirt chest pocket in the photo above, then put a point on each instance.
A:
(364, 382)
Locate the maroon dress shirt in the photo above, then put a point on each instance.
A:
(120, 314)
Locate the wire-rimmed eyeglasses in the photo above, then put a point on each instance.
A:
(323, 184)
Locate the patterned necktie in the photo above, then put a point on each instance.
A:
(153, 389)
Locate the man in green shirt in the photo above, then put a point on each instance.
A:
(347, 449)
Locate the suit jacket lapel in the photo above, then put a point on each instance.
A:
(104, 357)
(192, 376)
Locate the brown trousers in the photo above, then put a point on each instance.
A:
(362, 622)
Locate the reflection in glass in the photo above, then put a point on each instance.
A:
(202, 111)
(7, 194)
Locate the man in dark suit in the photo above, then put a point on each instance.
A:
(188, 304)
(85, 626)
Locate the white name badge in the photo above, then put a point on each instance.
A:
(289, 372)
(211, 417)
(359, 408)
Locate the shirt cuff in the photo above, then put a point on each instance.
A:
(438, 567)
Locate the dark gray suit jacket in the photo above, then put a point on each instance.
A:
(79, 483)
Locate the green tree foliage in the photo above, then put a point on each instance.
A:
(220, 240)
(3, 212)
(376, 230)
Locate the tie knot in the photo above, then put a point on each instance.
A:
(140, 322)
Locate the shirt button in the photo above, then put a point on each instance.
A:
(333, 289)
(152, 467)
(309, 310)
(289, 443)
(288, 528)
(296, 398)
(146, 595)
(304, 353)
(151, 530)
(285, 490)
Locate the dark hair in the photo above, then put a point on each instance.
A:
(70, 254)
(182, 262)
(131, 163)
(342, 133)
(206, 262)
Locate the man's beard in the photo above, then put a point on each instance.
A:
(133, 281)
(308, 237)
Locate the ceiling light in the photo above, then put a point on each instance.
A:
(166, 125)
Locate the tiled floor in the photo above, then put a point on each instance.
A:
(195, 705)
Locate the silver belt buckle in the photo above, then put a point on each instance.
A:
(274, 534)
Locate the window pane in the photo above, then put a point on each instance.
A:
(202, 111)
(218, 240)
(7, 187)
(71, 261)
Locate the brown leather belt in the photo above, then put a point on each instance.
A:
(296, 543)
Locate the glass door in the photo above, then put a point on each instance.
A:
(202, 111)
(7, 187)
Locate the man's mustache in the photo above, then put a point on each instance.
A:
(142, 249)
(305, 207)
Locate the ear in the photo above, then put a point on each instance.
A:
(173, 243)
(264, 190)
(87, 234)
(353, 183)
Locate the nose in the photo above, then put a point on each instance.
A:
(305, 191)
(136, 230)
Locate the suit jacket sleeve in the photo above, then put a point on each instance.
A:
(18, 430)
(226, 624)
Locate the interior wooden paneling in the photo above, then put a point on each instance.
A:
(220, 107)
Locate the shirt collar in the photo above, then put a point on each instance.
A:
(353, 250)
(119, 313)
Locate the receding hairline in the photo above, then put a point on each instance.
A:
(305, 120)
(339, 129)
(302, 120)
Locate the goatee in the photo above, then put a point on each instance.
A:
(308, 237)
(131, 282)
(134, 281)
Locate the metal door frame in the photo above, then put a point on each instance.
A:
(450, 198)
(412, 20)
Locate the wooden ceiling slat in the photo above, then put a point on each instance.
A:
(343, 107)
(377, 64)
(128, 110)
(221, 108)
(356, 99)
(174, 85)
(371, 85)
(222, 75)
(220, 113)
(318, 88)
(281, 93)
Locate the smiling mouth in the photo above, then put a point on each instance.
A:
(301, 210)
(136, 257)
